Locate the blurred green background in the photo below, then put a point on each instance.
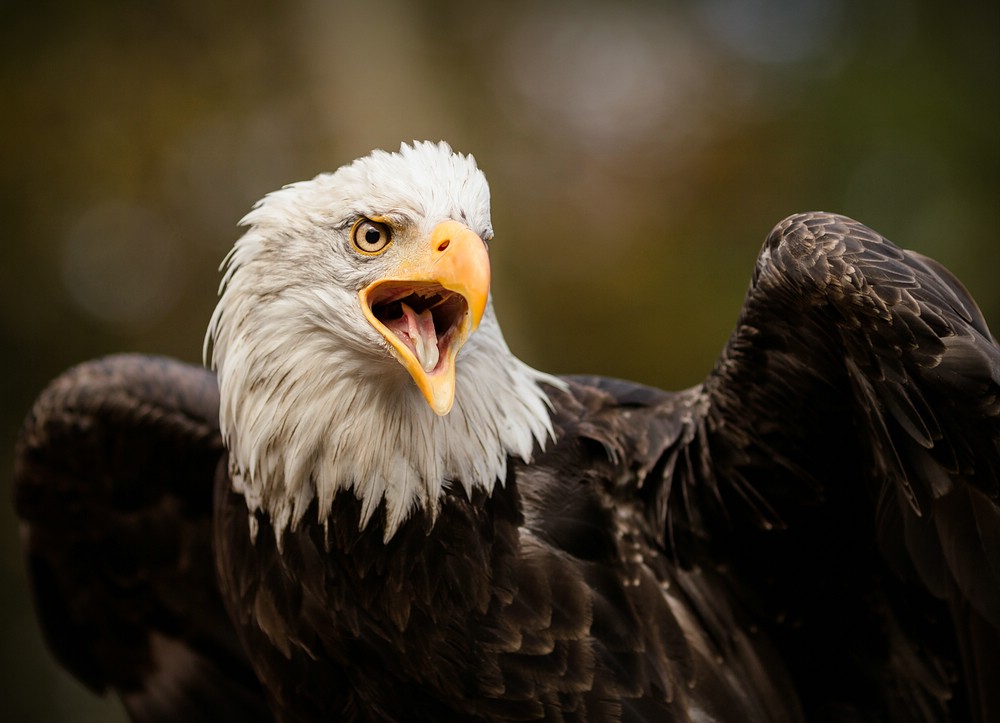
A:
(638, 155)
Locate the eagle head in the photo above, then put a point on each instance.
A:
(356, 346)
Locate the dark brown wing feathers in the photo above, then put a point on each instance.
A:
(114, 484)
(856, 402)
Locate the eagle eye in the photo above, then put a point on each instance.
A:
(370, 237)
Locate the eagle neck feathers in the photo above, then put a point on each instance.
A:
(305, 418)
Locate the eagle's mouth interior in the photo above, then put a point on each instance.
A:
(425, 317)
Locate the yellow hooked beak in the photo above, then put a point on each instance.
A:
(430, 304)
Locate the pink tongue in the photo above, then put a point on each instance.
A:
(417, 332)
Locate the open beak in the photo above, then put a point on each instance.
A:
(429, 305)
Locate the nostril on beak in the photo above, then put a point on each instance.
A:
(444, 244)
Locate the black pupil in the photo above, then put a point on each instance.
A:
(373, 236)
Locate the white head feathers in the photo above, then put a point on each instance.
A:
(312, 402)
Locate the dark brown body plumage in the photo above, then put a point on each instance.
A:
(813, 533)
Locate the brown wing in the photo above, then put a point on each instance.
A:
(114, 485)
(844, 455)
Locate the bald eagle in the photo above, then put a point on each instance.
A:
(373, 511)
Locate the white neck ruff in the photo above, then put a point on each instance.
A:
(302, 421)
